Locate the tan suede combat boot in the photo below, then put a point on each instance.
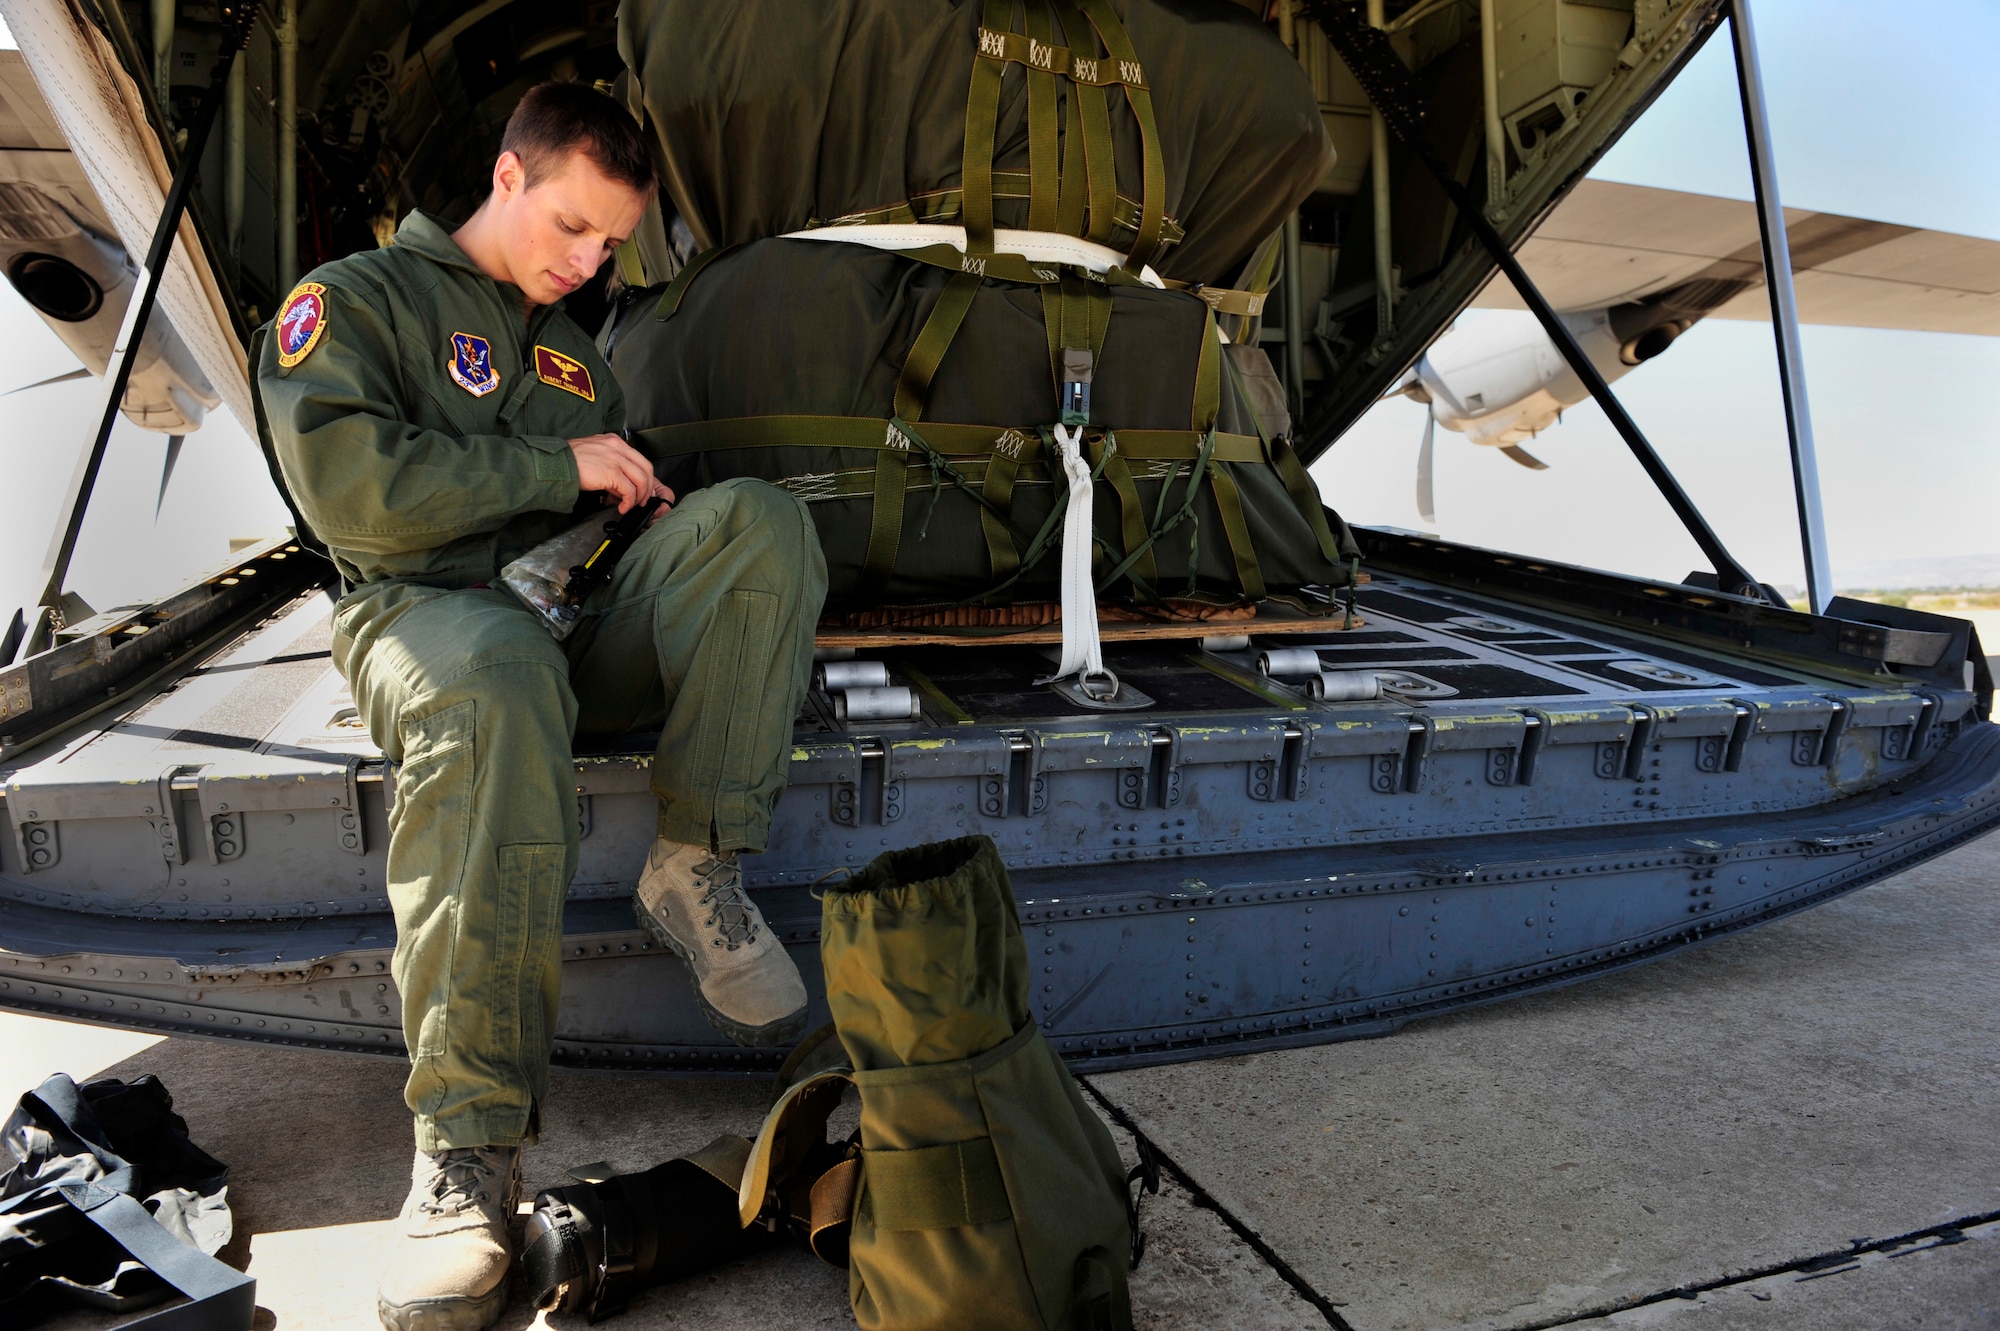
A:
(448, 1270)
(693, 902)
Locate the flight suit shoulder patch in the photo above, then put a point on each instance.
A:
(301, 323)
(472, 364)
(565, 372)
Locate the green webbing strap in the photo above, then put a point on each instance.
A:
(1223, 300)
(670, 299)
(885, 527)
(982, 122)
(1097, 314)
(1137, 549)
(1162, 525)
(1207, 377)
(1229, 503)
(874, 433)
(945, 205)
(1075, 179)
(1228, 499)
(935, 1187)
(631, 269)
(1153, 193)
(1043, 143)
(1012, 452)
(913, 386)
(1297, 484)
(1099, 151)
(1305, 498)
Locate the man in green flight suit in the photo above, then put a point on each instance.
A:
(435, 414)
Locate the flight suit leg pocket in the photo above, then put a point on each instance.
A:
(430, 833)
(735, 748)
(527, 953)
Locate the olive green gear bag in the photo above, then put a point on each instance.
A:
(985, 1193)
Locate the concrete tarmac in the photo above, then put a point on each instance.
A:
(1797, 1127)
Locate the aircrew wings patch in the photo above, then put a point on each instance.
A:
(300, 323)
(565, 372)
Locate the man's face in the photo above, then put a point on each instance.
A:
(554, 235)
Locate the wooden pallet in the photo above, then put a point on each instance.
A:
(1107, 631)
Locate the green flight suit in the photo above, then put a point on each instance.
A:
(420, 421)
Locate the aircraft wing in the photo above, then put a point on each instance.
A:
(114, 157)
(1609, 243)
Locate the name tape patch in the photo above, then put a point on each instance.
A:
(565, 372)
(301, 323)
(472, 364)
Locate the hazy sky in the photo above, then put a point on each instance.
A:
(1872, 118)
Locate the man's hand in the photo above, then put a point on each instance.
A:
(606, 462)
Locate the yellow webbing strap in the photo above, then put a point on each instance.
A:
(935, 1187)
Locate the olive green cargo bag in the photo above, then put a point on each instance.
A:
(1181, 132)
(911, 410)
(986, 1195)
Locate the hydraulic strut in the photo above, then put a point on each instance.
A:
(238, 19)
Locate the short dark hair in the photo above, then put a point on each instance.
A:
(556, 119)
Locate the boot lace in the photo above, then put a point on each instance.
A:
(459, 1181)
(731, 915)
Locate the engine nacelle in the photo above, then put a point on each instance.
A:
(1499, 381)
(80, 283)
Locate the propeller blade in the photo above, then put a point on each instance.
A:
(1426, 497)
(10, 642)
(1525, 458)
(78, 373)
(167, 472)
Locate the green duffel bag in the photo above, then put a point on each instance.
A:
(911, 406)
(987, 1196)
(1181, 132)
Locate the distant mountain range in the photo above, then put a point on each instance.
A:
(1934, 571)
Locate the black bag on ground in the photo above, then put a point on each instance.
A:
(594, 1244)
(926, 461)
(106, 1204)
(771, 116)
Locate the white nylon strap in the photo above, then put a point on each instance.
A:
(1082, 653)
(1034, 246)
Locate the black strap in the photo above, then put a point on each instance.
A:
(221, 1298)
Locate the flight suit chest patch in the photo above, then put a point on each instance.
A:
(472, 364)
(565, 372)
